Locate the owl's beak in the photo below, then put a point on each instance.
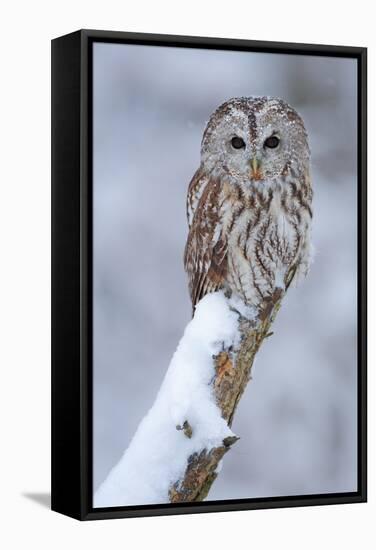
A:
(256, 169)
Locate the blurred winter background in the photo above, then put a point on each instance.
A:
(297, 419)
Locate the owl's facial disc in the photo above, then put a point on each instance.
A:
(255, 139)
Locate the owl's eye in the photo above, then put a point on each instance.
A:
(272, 142)
(237, 142)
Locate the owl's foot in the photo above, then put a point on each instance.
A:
(243, 309)
(269, 303)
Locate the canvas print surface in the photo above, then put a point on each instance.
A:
(224, 184)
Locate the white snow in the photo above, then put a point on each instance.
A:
(158, 453)
(245, 310)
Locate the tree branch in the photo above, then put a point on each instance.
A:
(233, 368)
(177, 448)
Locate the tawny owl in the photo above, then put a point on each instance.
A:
(249, 204)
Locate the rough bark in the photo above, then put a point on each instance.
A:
(232, 372)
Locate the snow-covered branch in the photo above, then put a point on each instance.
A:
(176, 452)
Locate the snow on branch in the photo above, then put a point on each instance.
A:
(176, 451)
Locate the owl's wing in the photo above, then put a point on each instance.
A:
(195, 190)
(205, 257)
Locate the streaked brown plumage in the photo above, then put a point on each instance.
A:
(249, 207)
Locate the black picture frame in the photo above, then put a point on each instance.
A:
(72, 379)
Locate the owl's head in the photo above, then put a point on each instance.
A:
(255, 138)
